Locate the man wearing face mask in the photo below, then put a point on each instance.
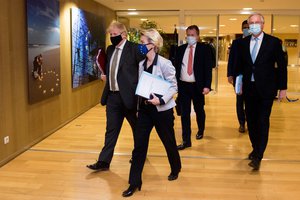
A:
(194, 74)
(261, 80)
(231, 74)
(118, 94)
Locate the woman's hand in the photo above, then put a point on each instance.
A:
(155, 100)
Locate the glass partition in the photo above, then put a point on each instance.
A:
(287, 29)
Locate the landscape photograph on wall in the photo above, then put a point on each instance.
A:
(43, 40)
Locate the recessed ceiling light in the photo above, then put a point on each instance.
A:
(233, 19)
(132, 9)
(144, 19)
(133, 13)
(294, 25)
(245, 13)
(247, 8)
(222, 25)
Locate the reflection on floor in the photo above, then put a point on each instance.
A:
(214, 168)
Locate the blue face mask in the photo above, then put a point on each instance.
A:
(191, 40)
(143, 48)
(246, 32)
(254, 29)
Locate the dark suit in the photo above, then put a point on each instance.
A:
(202, 69)
(231, 71)
(122, 104)
(259, 94)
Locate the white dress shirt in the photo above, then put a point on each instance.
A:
(252, 43)
(118, 62)
(184, 76)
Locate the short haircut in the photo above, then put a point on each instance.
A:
(244, 22)
(118, 25)
(262, 19)
(193, 27)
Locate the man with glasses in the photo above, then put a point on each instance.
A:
(257, 56)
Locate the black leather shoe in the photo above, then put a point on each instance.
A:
(99, 166)
(183, 146)
(172, 176)
(131, 190)
(242, 129)
(255, 164)
(199, 136)
(251, 156)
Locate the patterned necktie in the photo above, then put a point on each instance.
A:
(254, 50)
(113, 70)
(190, 62)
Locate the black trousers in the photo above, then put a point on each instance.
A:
(115, 114)
(240, 109)
(188, 92)
(258, 111)
(163, 122)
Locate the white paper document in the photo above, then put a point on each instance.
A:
(149, 83)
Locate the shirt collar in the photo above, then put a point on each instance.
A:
(260, 37)
(122, 45)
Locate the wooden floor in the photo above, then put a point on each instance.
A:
(215, 168)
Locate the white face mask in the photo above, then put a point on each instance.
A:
(254, 29)
(191, 40)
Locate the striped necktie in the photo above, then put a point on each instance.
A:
(113, 70)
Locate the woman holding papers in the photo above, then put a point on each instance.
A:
(154, 111)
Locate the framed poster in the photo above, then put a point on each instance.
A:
(88, 37)
(43, 41)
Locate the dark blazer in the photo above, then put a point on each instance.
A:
(202, 65)
(233, 58)
(127, 76)
(268, 79)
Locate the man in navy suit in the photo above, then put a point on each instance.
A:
(119, 92)
(194, 74)
(231, 74)
(258, 54)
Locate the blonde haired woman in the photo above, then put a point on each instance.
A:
(157, 111)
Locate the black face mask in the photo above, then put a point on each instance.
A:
(116, 40)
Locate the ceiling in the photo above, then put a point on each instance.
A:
(201, 4)
(203, 13)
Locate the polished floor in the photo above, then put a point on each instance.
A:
(214, 168)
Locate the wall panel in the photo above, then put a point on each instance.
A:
(27, 124)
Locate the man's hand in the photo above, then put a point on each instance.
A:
(281, 95)
(103, 77)
(205, 91)
(230, 79)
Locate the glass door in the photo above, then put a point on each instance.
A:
(287, 29)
